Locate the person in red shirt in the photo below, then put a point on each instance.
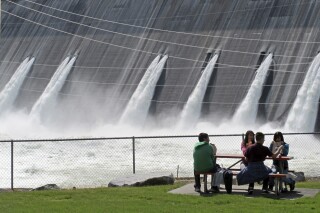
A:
(248, 140)
(256, 170)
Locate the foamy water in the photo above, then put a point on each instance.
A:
(95, 163)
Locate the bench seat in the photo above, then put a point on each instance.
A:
(277, 175)
(234, 169)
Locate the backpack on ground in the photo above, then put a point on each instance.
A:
(227, 178)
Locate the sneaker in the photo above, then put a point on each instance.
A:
(214, 189)
(265, 191)
(285, 190)
(250, 191)
(270, 187)
(292, 185)
(196, 189)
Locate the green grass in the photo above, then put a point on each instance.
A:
(313, 184)
(149, 199)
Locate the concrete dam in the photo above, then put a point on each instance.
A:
(184, 65)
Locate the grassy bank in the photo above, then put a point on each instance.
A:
(149, 199)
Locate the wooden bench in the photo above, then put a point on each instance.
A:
(277, 178)
(277, 181)
(205, 175)
(235, 170)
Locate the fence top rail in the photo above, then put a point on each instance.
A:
(140, 137)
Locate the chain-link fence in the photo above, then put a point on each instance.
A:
(93, 162)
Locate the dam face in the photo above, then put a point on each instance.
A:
(115, 41)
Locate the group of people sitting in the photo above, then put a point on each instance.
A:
(252, 165)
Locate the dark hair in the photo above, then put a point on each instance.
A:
(246, 138)
(276, 135)
(259, 136)
(202, 136)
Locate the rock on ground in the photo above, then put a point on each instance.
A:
(143, 180)
(46, 187)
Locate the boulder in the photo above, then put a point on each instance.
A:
(47, 187)
(149, 179)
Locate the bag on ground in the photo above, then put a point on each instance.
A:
(227, 177)
(217, 179)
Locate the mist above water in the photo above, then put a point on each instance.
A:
(135, 119)
(18, 125)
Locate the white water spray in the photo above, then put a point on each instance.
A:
(248, 109)
(11, 90)
(143, 83)
(137, 109)
(192, 110)
(310, 109)
(297, 119)
(47, 100)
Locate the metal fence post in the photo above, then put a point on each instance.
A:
(133, 155)
(12, 165)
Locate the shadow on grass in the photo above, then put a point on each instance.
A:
(257, 193)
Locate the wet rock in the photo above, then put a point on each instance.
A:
(143, 180)
(47, 187)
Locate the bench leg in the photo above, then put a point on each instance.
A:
(281, 172)
(205, 183)
(277, 186)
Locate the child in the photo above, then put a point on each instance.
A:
(277, 142)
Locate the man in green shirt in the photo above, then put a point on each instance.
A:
(204, 160)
